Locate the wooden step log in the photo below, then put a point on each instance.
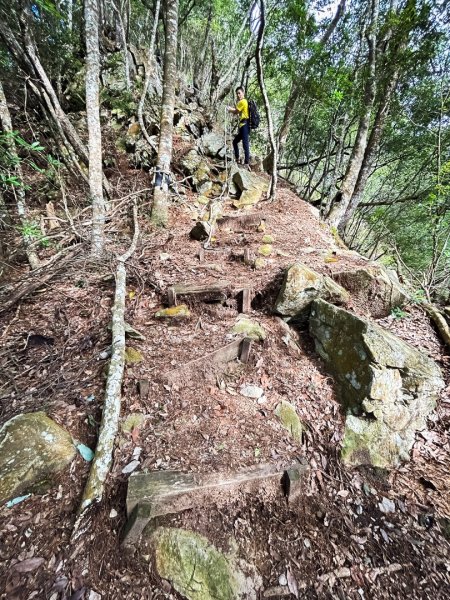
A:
(161, 493)
(241, 222)
(216, 290)
(221, 356)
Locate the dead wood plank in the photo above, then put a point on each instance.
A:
(171, 297)
(183, 289)
(246, 348)
(247, 295)
(222, 355)
(248, 260)
(162, 493)
(242, 221)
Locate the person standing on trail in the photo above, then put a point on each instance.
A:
(243, 134)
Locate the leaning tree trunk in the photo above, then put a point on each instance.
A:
(260, 73)
(298, 86)
(343, 197)
(94, 130)
(19, 191)
(159, 214)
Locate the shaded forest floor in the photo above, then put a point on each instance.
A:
(334, 542)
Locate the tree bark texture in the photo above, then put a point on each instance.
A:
(123, 37)
(19, 191)
(94, 130)
(159, 215)
(260, 73)
(343, 197)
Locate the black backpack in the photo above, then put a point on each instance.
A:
(253, 114)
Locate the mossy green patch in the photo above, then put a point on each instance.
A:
(250, 329)
(174, 312)
(196, 569)
(132, 356)
(260, 263)
(132, 421)
(268, 239)
(289, 418)
(265, 250)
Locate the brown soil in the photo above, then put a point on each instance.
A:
(334, 542)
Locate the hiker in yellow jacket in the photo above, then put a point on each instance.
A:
(243, 134)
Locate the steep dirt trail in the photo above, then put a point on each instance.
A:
(334, 542)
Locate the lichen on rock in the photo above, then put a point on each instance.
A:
(197, 570)
(301, 286)
(290, 420)
(387, 387)
(32, 449)
(249, 328)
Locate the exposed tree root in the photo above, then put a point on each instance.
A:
(440, 322)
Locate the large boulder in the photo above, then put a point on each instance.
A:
(213, 144)
(387, 387)
(301, 286)
(374, 287)
(250, 187)
(32, 449)
(197, 570)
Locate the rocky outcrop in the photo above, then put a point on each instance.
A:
(387, 387)
(374, 287)
(301, 286)
(32, 449)
(197, 570)
(213, 144)
(249, 187)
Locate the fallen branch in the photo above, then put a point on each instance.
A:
(440, 322)
(93, 492)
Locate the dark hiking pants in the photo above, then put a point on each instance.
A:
(244, 136)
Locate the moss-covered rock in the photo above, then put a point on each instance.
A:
(197, 570)
(389, 386)
(249, 328)
(32, 449)
(301, 286)
(260, 263)
(132, 356)
(268, 239)
(250, 186)
(265, 250)
(290, 420)
(174, 312)
(374, 287)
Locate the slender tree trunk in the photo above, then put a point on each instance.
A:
(94, 130)
(262, 85)
(123, 36)
(199, 67)
(159, 214)
(149, 69)
(298, 85)
(19, 191)
(343, 197)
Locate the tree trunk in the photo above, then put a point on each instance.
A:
(159, 214)
(19, 191)
(94, 130)
(149, 69)
(260, 73)
(298, 85)
(123, 36)
(371, 150)
(343, 197)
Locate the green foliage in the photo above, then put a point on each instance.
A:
(32, 232)
(398, 313)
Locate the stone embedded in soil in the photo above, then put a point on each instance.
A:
(265, 250)
(374, 287)
(387, 387)
(199, 571)
(301, 286)
(173, 312)
(260, 263)
(132, 421)
(249, 328)
(33, 448)
(200, 231)
(250, 185)
(132, 356)
(251, 391)
(268, 239)
(290, 420)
